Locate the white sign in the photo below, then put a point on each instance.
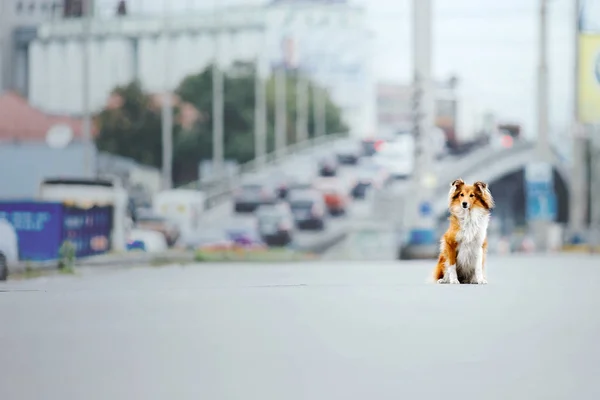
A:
(59, 136)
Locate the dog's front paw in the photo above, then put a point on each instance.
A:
(454, 281)
(480, 281)
(441, 281)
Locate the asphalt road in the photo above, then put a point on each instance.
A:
(305, 331)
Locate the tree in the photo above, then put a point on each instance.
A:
(131, 126)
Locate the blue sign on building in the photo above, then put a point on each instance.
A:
(539, 192)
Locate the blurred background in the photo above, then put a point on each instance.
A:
(311, 128)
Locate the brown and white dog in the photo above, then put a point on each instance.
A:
(463, 247)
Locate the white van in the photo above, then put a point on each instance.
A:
(397, 157)
(92, 192)
(183, 207)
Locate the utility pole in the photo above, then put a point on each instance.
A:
(301, 107)
(419, 214)
(280, 110)
(88, 14)
(595, 187)
(260, 113)
(543, 141)
(217, 104)
(167, 107)
(578, 192)
(319, 111)
(540, 226)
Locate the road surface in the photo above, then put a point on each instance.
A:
(322, 330)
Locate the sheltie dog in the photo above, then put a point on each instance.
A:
(463, 247)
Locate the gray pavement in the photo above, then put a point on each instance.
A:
(322, 330)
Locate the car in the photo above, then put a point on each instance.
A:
(300, 186)
(282, 182)
(308, 209)
(370, 146)
(148, 220)
(328, 166)
(275, 224)
(362, 184)
(9, 248)
(369, 176)
(335, 195)
(249, 196)
(348, 153)
(397, 157)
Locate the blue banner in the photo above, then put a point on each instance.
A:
(42, 228)
(38, 226)
(88, 229)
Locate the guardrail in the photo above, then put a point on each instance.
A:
(218, 189)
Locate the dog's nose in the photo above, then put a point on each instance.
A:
(464, 204)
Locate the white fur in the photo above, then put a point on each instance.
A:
(470, 238)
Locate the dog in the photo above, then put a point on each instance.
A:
(464, 245)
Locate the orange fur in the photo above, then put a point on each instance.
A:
(478, 197)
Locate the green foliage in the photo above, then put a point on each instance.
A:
(134, 129)
(66, 255)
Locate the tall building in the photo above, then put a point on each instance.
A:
(326, 40)
(19, 20)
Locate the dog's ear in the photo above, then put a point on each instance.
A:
(457, 183)
(454, 186)
(486, 194)
(481, 185)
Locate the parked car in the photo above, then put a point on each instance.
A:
(335, 195)
(153, 222)
(328, 166)
(9, 250)
(348, 153)
(275, 224)
(249, 196)
(308, 209)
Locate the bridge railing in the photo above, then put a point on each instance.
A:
(219, 189)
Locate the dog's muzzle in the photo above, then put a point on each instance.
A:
(465, 205)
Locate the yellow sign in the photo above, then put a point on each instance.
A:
(589, 79)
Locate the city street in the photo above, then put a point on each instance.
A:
(322, 330)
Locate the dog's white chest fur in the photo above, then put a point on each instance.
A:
(470, 238)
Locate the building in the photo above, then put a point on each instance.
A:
(25, 156)
(19, 20)
(453, 113)
(326, 40)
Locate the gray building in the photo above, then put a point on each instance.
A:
(19, 20)
(31, 162)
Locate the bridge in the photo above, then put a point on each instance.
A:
(502, 169)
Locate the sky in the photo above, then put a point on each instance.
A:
(491, 45)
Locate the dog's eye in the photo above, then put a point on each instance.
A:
(472, 195)
(462, 195)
